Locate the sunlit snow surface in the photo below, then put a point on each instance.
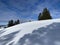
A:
(45, 32)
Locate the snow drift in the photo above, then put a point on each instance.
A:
(46, 32)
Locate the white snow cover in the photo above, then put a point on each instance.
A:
(26, 28)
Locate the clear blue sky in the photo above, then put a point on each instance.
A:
(27, 9)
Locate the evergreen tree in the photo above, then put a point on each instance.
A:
(39, 16)
(17, 22)
(45, 15)
(10, 23)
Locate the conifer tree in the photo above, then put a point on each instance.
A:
(17, 22)
(10, 23)
(45, 15)
(39, 16)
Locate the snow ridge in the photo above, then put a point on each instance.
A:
(25, 28)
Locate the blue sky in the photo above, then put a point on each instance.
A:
(27, 9)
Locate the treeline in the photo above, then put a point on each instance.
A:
(12, 23)
(44, 15)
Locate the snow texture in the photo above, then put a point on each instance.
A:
(46, 32)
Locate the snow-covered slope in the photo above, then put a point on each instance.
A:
(32, 33)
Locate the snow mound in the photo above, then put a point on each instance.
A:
(32, 33)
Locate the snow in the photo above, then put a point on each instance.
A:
(1, 29)
(26, 28)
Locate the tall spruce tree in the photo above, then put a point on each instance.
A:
(45, 15)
